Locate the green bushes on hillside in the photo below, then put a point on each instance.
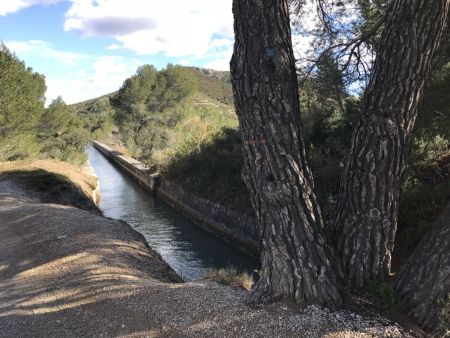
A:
(212, 170)
(62, 135)
(97, 116)
(148, 104)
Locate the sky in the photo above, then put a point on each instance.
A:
(87, 48)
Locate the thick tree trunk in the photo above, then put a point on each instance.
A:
(365, 220)
(293, 248)
(425, 281)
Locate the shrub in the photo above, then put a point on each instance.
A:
(230, 276)
(212, 170)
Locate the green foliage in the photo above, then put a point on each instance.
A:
(173, 85)
(207, 83)
(148, 104)
(212, 170)
(432, 133)
(443, 324)
(383, 295)
(21, 107)
(177, 120)
(328, 116)
(426, 191)
(27, 128)
(425, 194)
(62, 134)
(97, 115)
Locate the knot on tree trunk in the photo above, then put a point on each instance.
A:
(391, 127)
(276, 192)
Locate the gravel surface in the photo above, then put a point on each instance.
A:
(65, 272)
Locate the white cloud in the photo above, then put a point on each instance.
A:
(12, 6)
(104, 75)
(222, 62)
(221, 42)
(185, 62)
(177, 28)
(46, 50)
(87, 76)
(113, 47)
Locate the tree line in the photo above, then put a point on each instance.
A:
(148, 103)
(28, 129)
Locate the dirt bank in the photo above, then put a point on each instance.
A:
(52, 181)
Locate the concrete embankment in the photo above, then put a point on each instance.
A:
(95, 194)
(238, 230)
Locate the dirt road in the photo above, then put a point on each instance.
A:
(65, 272)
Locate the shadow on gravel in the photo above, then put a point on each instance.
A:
(66, 272)
(50, 187)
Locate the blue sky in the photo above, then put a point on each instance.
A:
(87, 48)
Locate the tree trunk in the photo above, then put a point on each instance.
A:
(365, 220)
(425, 281)
(294, 252)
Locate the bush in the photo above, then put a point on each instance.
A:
(62, 134)
(230, 276)
(212, 170)
(443, 325)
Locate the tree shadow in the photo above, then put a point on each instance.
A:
(64, 270)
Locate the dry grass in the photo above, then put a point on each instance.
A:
(86, 182)
(230, 276)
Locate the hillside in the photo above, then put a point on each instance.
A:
(213, 87)
(87, 106)
(187, 124)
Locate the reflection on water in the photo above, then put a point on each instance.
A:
(188, 249)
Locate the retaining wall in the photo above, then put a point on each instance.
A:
(239, 230)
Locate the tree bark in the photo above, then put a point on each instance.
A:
(365, 219)
(294, 252)
(425, 281)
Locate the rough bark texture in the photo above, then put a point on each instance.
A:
(425, 281)
(293, 248)
(365, 220)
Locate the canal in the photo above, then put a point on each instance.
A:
(188, 249)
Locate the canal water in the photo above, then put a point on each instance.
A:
(188, 249)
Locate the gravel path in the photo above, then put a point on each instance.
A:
(65, 272)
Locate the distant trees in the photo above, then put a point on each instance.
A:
(148, 100)
(28, 129)
(97, 116)
(61, 133)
